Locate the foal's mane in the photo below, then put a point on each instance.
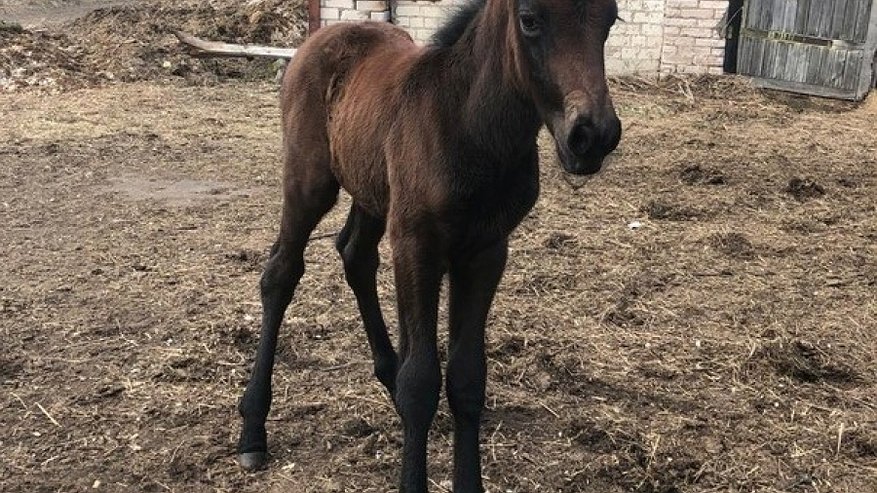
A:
(454, 28)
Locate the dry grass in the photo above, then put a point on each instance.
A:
(134, 41)
(727, 344)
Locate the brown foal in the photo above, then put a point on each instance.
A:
(436, 145)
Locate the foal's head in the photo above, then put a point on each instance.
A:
(560, 51)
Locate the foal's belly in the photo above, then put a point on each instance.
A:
(364, 178)
(360, 167)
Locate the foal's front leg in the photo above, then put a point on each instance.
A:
(473, 282)
(418, 275)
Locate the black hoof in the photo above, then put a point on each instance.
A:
(252, 461)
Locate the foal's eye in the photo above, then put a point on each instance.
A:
(530, 24)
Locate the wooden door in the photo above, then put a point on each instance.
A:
(820, 47)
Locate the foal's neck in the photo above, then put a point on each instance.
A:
(499, 115)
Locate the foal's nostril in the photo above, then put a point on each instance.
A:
(580, 139)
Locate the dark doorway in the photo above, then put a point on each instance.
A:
(732, 35)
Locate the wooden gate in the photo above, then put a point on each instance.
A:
(820, 47)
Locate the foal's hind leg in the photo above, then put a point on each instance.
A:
(306, 201)
(358, 245)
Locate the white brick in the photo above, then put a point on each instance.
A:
(697, 32)
(713, 4)
(647, 18)
(713, 43)
(652, 30)
(354, 15)
(680, 41)
(677, 21)
(330, 13)
(697, 14)
(380, 16)
(432, 22)
(340, 4)
(653, 5)
(434, 12)
(408, 10)
(371, 5)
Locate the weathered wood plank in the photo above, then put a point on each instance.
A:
(848, 30)
(801, 16)
(814, 69)
(837, 19)
(853, 64)
(794, 56)
(744, 55)
(801, 63)
(863, 16)
(825, 8)
(815, 90)
(784, 60)
(757, 66)
(764, 7)
(819, 24)
(834, 75)
(763, 59)
(780, 51)
(806, 55)
(770, 60)
(868, 78)
(752, 12)
(789, 11)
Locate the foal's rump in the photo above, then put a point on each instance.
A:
(338, 99)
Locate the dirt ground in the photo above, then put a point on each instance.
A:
(700, 317)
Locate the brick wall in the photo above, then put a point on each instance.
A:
(634, 44)
(421, 18)
(657, 36)
(332, 11)
(694, 40)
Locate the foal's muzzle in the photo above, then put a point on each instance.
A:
(587, 143)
